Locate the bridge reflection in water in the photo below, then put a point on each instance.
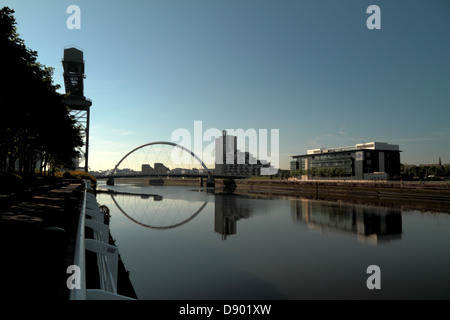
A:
(142, 210)
(372, 225)
(154, 211)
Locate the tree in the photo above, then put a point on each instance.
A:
(446, 172)
(35, 125)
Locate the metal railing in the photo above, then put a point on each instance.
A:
(107, 255)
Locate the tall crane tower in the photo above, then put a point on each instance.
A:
(73, 64)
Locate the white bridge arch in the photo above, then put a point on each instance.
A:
(210, 181)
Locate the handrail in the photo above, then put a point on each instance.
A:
(107, 282)
(107, 255)
(80, 253)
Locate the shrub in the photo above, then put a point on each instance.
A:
(10, 182)
(80, 175)
(67, 175)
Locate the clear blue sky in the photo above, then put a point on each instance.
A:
(311, 69)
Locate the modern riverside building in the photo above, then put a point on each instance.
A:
(364, 161)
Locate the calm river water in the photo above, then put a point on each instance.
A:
(184, 243)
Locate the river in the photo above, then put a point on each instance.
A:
(182, 243)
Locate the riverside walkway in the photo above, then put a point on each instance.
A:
(37, 243)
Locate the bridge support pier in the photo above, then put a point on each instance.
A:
(210, 183)
(110, 181)
(229, 185)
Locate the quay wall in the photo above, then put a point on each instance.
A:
(408, 195)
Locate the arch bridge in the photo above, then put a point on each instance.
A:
(208, 175)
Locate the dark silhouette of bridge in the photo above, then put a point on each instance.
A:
(158, 179)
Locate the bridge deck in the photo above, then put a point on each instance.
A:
(172, 175)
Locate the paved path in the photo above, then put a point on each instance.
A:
(35, 241)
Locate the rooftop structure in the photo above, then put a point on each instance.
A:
(360, 146)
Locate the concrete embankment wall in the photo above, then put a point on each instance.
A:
(417, 195)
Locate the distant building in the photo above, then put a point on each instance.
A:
(161, 169)
(233, 162)
(373, 160)
(178, 171)
(126, 171)
(147, 169)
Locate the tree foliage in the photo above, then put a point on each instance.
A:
(35, 126)
(423, 172)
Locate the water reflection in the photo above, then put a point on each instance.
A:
(270, 252)
(165, 214)
(140, 209)
(154, 196)
(371, 225)
(227, 213)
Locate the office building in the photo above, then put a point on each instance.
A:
(364, 161)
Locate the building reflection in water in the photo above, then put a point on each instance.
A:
(371, 225)
(227, 212)
(154, 196)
